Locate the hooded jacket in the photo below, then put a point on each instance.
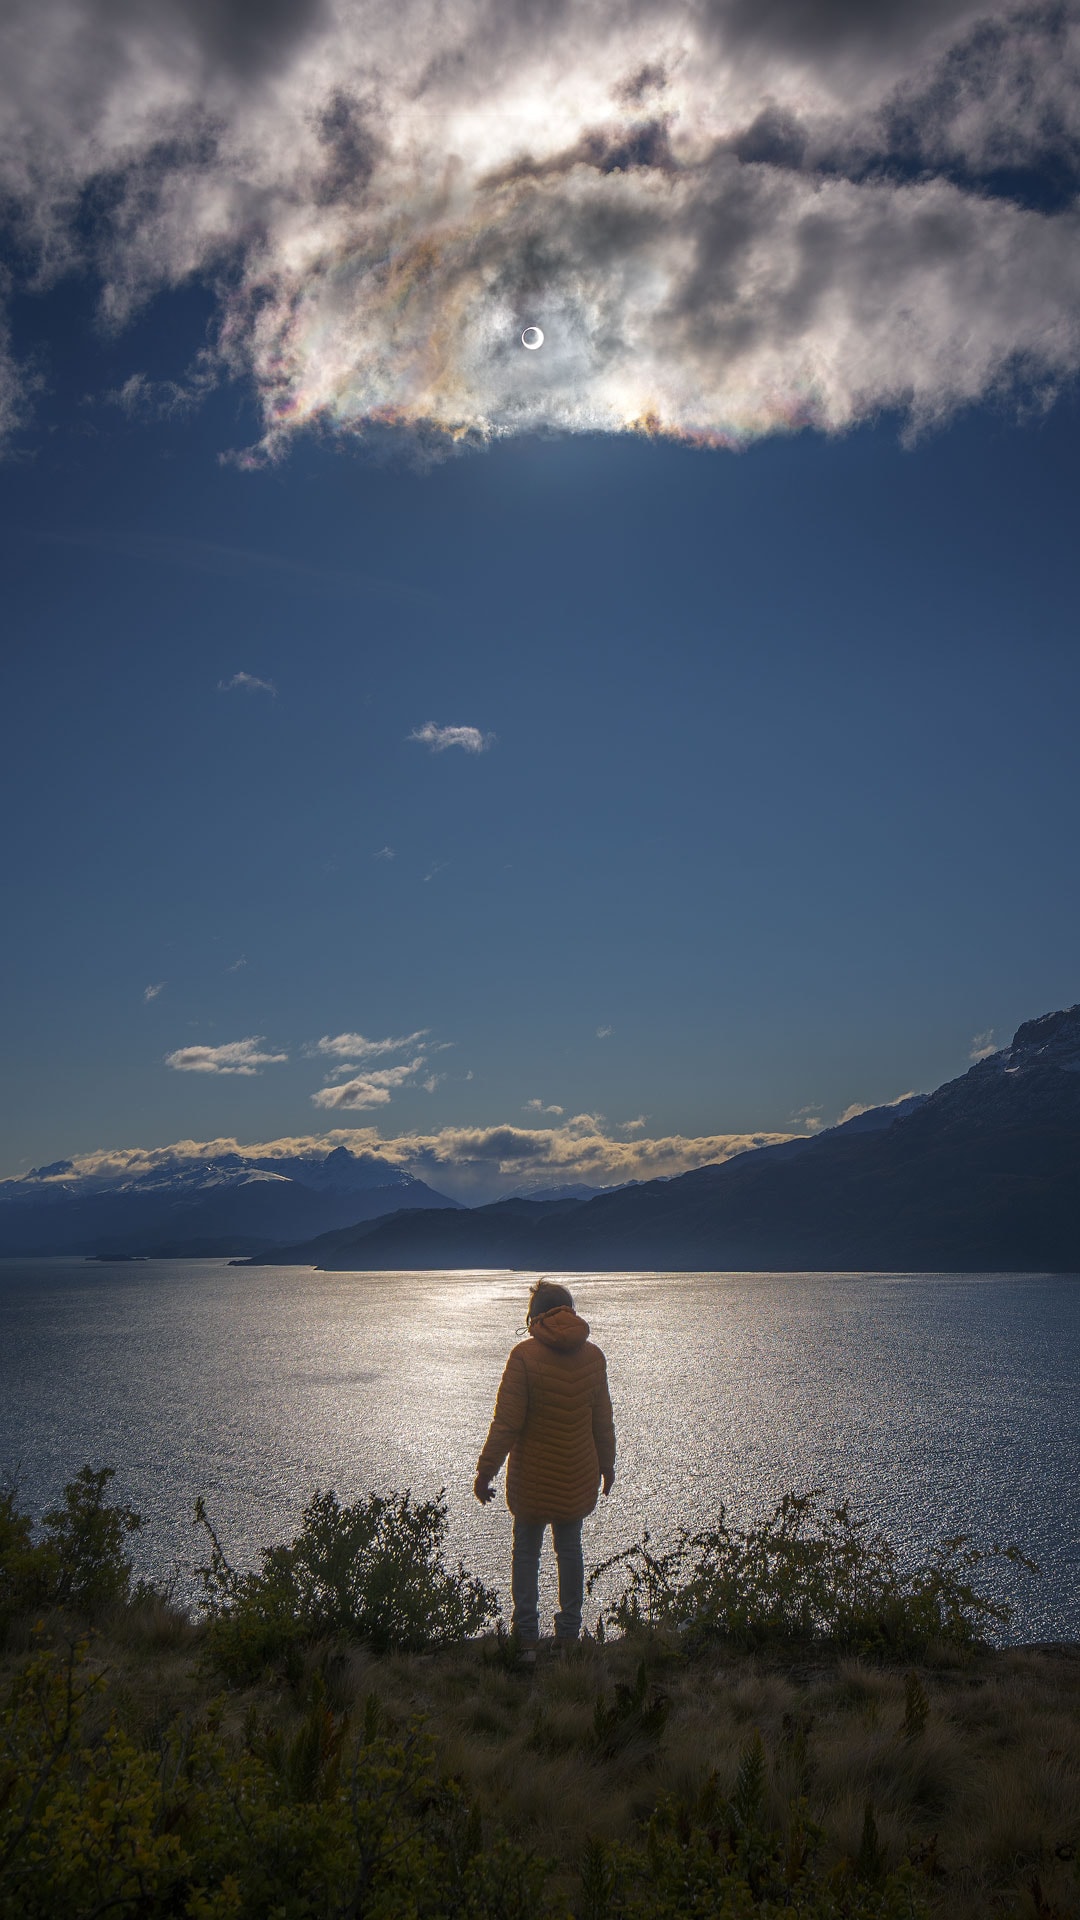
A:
(553, 1418)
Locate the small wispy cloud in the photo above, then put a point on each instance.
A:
(439, 867)
(982, 1045)
(144, 399)
(633, 1126)
(367, 1089)
(808, 1118)
(439, 738)
(235, 1056)
(433, 1080)
(604, 1033)
(151, 993)
(385, 853)
(537, 1106)
(352, 1049)
(247, 683)
(237, 964)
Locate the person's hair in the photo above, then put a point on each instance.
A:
(546, 1295)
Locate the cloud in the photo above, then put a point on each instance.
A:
(808, 1118)
(982, 1045)
(144, 399)
(537, 1106)
(633, 1126)
(869, 1106)
(237, 964)
(385, 853)
(367, 1089)
(433, 1080)
(151, 993)
(472, 1162)
(604, 1033)
(236, 1056)
(729, 220)
(353, 1048)
(439, 738)
(249, 682)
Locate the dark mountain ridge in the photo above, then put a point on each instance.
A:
(983, 1174)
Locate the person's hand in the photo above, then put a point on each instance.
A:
(608, 1482)
(483, 1490)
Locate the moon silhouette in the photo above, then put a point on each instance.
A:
(532, 338)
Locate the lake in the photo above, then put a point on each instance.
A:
(938, 1403)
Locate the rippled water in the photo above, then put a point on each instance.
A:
(939, 1403)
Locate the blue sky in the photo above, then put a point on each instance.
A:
(777, 803)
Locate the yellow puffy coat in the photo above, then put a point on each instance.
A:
(553, 1417)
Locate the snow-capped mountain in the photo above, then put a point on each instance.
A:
(229, 1203)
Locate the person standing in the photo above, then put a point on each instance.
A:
(553, 1419)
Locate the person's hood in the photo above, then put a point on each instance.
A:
(562, 1329)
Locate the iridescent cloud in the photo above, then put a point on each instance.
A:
(727, 218)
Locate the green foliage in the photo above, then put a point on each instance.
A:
(275, 1825)
(374, 1572)
(870, 1860)
(708, 1857)
(79, 1563)
(809, 1572)
(634, 1716)
(22, 1586)
(85, 1537)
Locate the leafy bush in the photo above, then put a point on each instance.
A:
(373, 1572)
(79, 1562)
(312, 1823)
(810, 1571)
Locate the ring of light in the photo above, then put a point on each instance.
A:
(532, 338)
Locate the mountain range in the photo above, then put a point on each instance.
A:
(981, 1175)
(229, 1204)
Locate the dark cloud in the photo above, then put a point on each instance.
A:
(876, 28)
(247, 37)
(352, 150)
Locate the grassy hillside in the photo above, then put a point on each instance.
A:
(154, 1765)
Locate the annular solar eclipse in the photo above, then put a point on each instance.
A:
(532, 338)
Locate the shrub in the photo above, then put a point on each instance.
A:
(809, 1572)
(708, 1857)
(373, 1572)
(79, 1563)
(298, 1826)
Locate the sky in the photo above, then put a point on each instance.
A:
(570, 764)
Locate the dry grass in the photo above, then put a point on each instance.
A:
(985, 1798)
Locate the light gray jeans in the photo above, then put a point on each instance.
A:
(525, 1577)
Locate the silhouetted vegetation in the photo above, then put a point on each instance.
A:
(810, 1572)
(373, 1572)
(331, 1738)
